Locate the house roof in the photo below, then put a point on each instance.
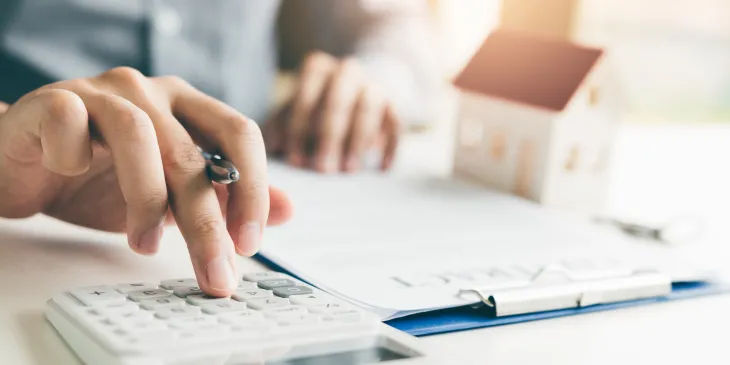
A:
(531, 70)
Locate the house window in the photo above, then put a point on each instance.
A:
(594, 96)
(571, 162)
(497, 145)
(471, 133)
(525, 169)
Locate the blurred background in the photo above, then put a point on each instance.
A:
(673, 57)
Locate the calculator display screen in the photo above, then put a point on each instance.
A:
(357, 357)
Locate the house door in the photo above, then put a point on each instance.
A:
(525, 169)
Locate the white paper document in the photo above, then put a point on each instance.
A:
(405, 243)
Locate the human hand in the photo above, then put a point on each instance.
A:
(334, 118)
(113, 152)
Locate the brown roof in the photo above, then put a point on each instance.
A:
(531, 70)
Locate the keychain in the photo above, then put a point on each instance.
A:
(675, 231)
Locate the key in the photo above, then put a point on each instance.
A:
(153, 339)
(166, 302)
(266, 303)
(126, 288)
(281, 312)
(242, 284)
(123, 308)
(192, 322)
(300, 320)
(242, 317)
(251, 330)
(130, 318)
(328, 308)
(264, 275)
(148, 294)
(310, 299)
(208, 333)
(287, 291)
(277, 283)
(248, 324)
(224, 307)
(98, 296)
(174, 283)
(184, 291)
(242, 295)
(204, 299)
(139, 328)
(183, 312)
(346, 315)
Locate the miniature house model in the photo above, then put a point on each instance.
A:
(536, 119)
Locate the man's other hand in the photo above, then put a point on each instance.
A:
(336, 116)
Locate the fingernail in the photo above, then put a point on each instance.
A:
(352, 164)
(328, 164)
(249, 238)
(295, 159)
(148, 241)
(220, 274)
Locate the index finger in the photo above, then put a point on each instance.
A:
(240, 140)
(314, 77)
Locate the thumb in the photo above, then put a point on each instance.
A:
(3, 107)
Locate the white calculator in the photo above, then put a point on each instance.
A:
(271, 319)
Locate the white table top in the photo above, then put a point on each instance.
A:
(669, 166)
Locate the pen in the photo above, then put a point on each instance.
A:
(218, 169)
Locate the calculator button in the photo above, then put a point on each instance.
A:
(264, 275)
(148, 294)
(251, 331)
(242, 295)
(298, 321)
(183, 312)
(130, 318)
(243, 316)
(288, 291)
(174, 283)
(184, 291)
(346, 315)
(266, 303)
(242, 284)
(153, 339)
(98, 296)
(123, 308)
(126, 288)
(133, 329)
(166, 302)
(224, 307)
(192, 322)
(208, 333)
(310, 299)
(276, 283)
(282, 312)
(328, 308)
(200, 299)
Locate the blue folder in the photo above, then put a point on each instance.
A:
(469, 317)
(473, 316)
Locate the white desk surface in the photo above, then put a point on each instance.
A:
(660, 171)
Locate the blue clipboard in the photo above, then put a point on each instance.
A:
(467, 318)
(473, 317)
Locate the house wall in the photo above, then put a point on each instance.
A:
(578, 175)
(502, 144)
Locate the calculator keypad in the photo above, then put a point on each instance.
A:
(149, 317)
